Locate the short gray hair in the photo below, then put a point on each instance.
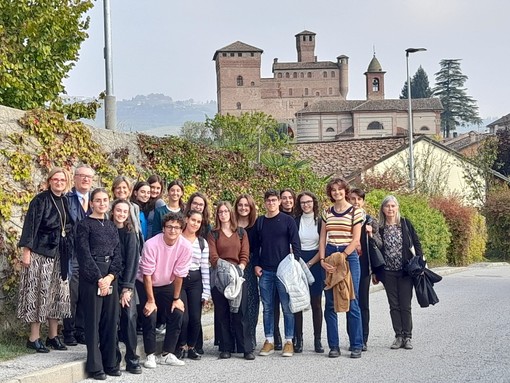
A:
(382, 216)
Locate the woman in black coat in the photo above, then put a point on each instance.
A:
(399, 239)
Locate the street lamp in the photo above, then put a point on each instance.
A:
(410, 116)
(110, 107)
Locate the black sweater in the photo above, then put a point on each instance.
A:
(95, 240)
(130, 257)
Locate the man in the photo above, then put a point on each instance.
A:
(79, 208)
(165, 261)
(276, 233)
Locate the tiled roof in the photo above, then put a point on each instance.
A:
(305, 32)
(347, 158)
(305, 65)
(464, 140)
(505, 120)
(238, 46)
(372, 105)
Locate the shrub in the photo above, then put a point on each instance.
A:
(429, 223)
(467, 228)
(497, 214)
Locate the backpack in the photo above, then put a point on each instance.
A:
(201, 243)
(240, 232)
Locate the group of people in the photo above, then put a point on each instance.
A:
(108, 267)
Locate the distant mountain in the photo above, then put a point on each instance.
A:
(157, 114)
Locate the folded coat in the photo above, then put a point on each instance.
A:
(340, 281)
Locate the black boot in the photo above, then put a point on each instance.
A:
(318, 346)
(277, 340)
(298, 344)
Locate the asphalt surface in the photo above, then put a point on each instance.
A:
(464, 338)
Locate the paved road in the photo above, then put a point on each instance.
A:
(464, 338)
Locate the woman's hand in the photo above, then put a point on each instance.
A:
(369, 230)
(375, 281)
(258, 271)
(327, 267)
(26, 257)
(125, 297)
(104, 284)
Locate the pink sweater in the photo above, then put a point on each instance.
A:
(164, 262)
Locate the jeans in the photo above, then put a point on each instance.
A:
(268, 284)
(354, 325)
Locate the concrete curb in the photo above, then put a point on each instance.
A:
(73, 372)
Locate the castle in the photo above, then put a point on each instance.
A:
(310, 96)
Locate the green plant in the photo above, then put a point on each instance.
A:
(497, 214)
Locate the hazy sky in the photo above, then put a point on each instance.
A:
(164, 46)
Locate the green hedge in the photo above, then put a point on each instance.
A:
(429, 223)
(497, 213)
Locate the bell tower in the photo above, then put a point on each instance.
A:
(375, 80)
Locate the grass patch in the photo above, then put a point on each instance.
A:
(12, 345)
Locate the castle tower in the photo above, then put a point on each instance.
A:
(238, 78)
(305, 45)
(375, 80)
(343, 65)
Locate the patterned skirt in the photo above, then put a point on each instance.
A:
(43, 294)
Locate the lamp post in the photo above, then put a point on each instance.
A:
(410, 116)
(110, 112)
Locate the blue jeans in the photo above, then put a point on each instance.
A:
(268, 282)
(354, 324)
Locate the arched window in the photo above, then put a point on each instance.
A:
(330, 91)
(330, 130)
(306, 91)
(325, 74)
(309, 75)
(317, 93)
(239, 80)
(375, 125)
(287, 75)
(290, 91)
(279, 75)
(238, 106)
(375, 85)
(425, 128)
(252, 83)
(294, 75)
(333, 74)
(302, 75)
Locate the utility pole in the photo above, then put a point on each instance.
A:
(110, 105)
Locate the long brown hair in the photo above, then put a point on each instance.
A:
(252, 217)
(233, 219)
(299, 211)
(129, 223)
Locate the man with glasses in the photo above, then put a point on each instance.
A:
(276, 233)
(165, 261)
(79, 208)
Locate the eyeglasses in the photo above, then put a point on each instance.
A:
(84, 176)
(272, 200)
(306, 202)
(61, 180)
(220, 212)
(197, 204)
(172, 228)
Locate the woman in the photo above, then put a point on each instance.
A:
(288, 201)
(175, 204)
(198, 201)
(246, 215)
(195, 287)
(43, 288)
(140, 196)
(100, 260)
(229, 243)
(155, 201)
(121, 189)
(130, 253)
(309, 225)
(340, 233)
(398, 236)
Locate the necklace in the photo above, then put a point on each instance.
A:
(98, 220)
(62, 216)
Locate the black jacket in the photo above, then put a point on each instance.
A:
(408, 234)
(364, 259)
(42, 228)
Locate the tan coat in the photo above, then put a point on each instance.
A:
(340, 281)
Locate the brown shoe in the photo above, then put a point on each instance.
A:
(267, 349)
(288, 349)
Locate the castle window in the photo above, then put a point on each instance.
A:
(290, 91)
(309, 38)
(302, 75)
(425, 128)
(317, 93)
(294, 75)
(287, 75)
(306, 104)
(333, 74)
(309, 75)
(279, 75)
(325, 74)
(224, 54)
(252, 54)
(330, 130)
(252, 83)
(304, 38)
(238, 105)
(306, 91)
(375, 125)
(232, 54)
(330, 91)
(375, 85)
(240, 81)
(239, 54)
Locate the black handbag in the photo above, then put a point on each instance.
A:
(376, 257)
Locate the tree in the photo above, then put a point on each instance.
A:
(39, 44)
(459, 109)
(502, 163)
(420, 87)
(252, 133)
(196, 132)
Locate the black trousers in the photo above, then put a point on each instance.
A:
(399, 290)
(163, 296)
(232, 325)
(101, 321)
(363, 300)
(128, 319)
(191, 324)
(75, 325)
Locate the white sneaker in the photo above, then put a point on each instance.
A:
(151, 361)
(171, 360)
